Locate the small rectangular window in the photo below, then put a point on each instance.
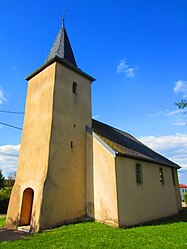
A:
(74, 87)
(139, 178)
(161, 175)
(71, 144)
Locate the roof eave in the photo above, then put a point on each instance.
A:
(63, 62)
(147, 160)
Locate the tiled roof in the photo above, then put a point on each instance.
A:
(62, 48)
(182, 186)
(126, 145)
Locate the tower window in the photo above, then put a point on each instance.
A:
(161, 175)
(139, 178)
(71, 144)
(74, 87)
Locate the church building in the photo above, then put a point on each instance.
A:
(72, 167)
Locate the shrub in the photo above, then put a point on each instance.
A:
(185, 197)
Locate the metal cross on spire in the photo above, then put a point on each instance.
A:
(64, 14)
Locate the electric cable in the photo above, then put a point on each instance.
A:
(12, 126)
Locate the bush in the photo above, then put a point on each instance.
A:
(185, 197)
(4, 199)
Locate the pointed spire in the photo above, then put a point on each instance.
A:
(62, 47)
(63, 22)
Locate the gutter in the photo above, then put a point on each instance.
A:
(147, 160)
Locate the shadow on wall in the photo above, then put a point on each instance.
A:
(180, 217)
(14, 222)
(34, 226)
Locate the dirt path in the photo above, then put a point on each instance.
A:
(7, 234)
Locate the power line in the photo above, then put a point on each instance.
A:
(11, 112)
(9, 125)
(12, 126)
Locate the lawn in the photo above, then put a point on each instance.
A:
(168, 233)
(2, 220)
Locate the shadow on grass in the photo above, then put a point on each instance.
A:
(180, 217)
(7, 234)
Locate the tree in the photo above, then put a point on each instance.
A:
(1, 179)
(185, 197)
(10, 180)
(182, 104)
(5, 190)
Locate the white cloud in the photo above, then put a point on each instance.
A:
(157, 114)
(180, 87)
(95, 116)
(9, 158)
(130, 72)
(180, 123)
(2, 96)
(14, 68)
(124, 68)
(175, 112)
(174, 147)
(167, 113)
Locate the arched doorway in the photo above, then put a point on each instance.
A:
(26, 208)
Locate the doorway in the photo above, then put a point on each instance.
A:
(26, 208)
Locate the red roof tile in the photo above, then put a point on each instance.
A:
(182, 186)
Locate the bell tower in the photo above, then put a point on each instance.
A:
(50, 183)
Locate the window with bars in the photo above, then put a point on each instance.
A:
(161, 173)
(139, 177)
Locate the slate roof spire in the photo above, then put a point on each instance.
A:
(62, 47)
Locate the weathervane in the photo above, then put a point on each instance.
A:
(64, 14)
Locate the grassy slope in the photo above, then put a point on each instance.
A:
(169, 234)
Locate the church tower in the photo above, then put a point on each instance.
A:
(51, 177)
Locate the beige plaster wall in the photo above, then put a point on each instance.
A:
(177, 190)
(149, 201)
(101, 184)
(64, 190)
(89, 177)
(34, 151)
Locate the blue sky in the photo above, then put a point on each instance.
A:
(136, 50)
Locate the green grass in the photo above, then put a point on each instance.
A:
(167, 233)
(2, 220)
